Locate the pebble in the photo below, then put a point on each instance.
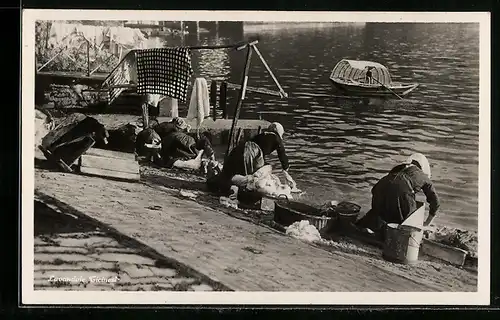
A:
(135, 272)
(201, 287)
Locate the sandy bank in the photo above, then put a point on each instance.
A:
(73, 254)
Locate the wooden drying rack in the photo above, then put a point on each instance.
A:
(243, 87)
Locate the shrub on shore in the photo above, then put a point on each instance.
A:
(74, 55)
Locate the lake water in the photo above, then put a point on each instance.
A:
(339, 147)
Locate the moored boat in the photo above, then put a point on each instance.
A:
(352, 77)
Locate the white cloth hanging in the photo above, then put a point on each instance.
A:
(59, 33)
(94, 34)
(171, 105)
(199, 105)
(153, 99)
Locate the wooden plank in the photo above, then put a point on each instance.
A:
(97, 162)
(471, 263)
(110, 173)
(145, 116)
(223, 99)
(59, 162)
(73, 75)
(254, 89)
(120, 86)
(282, 92)
(443, 252)
(213, 99)
(110, 154)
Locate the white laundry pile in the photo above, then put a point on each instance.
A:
(265, 182)
(211, 168)
(463, 239)
(43, 125)
(225, 201)
(232, 200)
(187, 194)
(303, 231)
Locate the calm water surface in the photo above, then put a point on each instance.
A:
(339, 147)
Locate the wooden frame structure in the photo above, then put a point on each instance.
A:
(243, 86)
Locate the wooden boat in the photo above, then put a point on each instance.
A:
(349, 77)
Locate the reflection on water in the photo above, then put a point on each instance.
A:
(340, 147)
(212, 64)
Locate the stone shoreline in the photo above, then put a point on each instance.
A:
(73, 255)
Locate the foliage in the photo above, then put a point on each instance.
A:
(74, 53)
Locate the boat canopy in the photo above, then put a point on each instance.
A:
(356, 70)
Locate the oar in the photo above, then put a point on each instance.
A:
(384, 87)
(388, 88)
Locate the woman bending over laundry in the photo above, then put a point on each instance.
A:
(249, 156)
(393, 196)
(180, 150)
(177, 124)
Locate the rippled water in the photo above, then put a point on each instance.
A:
(339, 147)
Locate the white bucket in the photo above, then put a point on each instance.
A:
(416, 218)
(402, 243)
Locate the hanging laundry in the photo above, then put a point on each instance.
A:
(124, 73)
(126, 36)
(59, 33)
(199, 105)
(154, 99)
(170, 104)
(164, 71)
(94, 34)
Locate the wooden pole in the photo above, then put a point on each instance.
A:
(241, 97)
(223, 99)
(237, 46)
(213, 98)
(88, 58)
(198, 31)
(50, 60)
(238, 136)
(283, 93)
(256, 90)
(182, 34)
(383, 85)
(107, 59)
(145, 115)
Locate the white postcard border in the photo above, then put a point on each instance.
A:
(29, 296)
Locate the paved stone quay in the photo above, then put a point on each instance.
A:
(71, 255)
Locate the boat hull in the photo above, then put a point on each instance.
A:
(373, 90)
